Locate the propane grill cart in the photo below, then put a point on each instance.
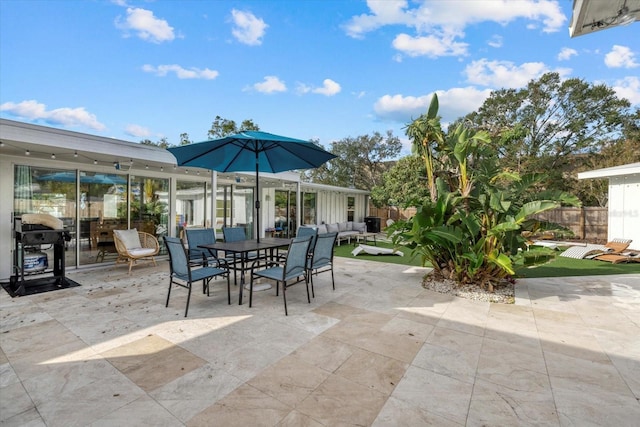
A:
(30, 264)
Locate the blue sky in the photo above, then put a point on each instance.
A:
(307, 69)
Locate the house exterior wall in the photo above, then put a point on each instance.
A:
(332, 207)
(99, 155)
(624, 200)
(624, 208)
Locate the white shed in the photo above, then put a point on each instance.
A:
(624, 200)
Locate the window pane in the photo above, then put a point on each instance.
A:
(103, 208)
(47, 191)
(191, 205)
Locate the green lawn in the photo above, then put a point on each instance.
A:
(556, 267)
(561, 267)
(344, 250)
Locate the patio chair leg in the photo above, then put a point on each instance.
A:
(284, 296)
(169, 293)
(306, 283)
(313, 292)
(186, 310)
(250, 291)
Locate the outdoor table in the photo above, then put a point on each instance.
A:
(365, 236)
(243, 248)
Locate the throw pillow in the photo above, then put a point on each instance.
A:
(322, 229)
(342, 226)
(360, 227)
(129, 238)
(332, 228)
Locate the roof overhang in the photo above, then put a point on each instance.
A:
(630, 169)
(590, 16)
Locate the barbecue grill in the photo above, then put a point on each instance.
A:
(30, 263)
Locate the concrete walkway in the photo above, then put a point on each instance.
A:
(379, 350)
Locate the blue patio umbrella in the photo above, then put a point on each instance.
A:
(252, 151)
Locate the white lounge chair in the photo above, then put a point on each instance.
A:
(375, 250)
(589, 250)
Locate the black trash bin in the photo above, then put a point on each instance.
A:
(373, 224)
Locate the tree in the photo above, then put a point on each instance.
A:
(360, 161)
(184, 139)
(469, 229)
(162, 143)
(403, 184)
(223, 127)
(544, 126)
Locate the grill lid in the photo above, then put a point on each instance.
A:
(47, 220)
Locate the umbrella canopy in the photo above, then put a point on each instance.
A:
(252, 151)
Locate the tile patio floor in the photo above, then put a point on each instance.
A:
(379, 350)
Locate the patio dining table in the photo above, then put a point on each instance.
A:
(243, 248)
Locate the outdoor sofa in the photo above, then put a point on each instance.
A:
(346, 230)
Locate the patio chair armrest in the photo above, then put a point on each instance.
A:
(262, 262)
(218, 262)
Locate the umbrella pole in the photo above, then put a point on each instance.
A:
(257, 197)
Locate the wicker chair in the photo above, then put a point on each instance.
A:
(133, 245)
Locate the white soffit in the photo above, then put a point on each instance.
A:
(590, 16)
(630, 169)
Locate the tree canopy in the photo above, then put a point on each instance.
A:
(222, 127)
(551, 124)
(555, 126)
(360, 161)
(403, 185)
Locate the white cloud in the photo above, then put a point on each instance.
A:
(505, 74)
(566, 54)
(137, 131)
(181, 73)
(628, 88)
(329, 88)
(270, 84)
(68, 117)
(454, 103)
(146, 25)
(620, 57)
(495, 41)
(456, 14)
(438, 24)
(247, 28)
(431, 46)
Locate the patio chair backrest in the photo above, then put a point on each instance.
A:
(234, 234)
(618, 245)
(297, 257)
(177, 257)
(308, 231)
(323, 251)
(197, 237)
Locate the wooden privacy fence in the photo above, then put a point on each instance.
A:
(588, 223)
(390, 212)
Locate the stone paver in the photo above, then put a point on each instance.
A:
(379, 350)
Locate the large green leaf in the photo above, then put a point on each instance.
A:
(502, 261)
(535, 207)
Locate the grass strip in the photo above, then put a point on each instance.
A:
(556, 267)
